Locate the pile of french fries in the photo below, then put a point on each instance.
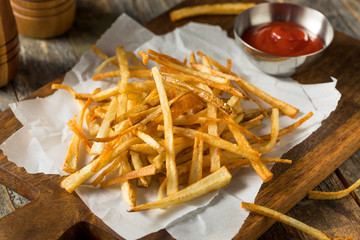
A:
(180, 123)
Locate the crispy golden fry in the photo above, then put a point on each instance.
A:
(99, 52)
(108, 170)
(290, 128)
(208, 184)
(216, 141)
(139, 73)
(318, 195)
(128, 190)
(184, 104)
(274, 133)
(70, 162)
(104, 128)
(204, 95)
(209, 9)
(248, 153)
(149, 140)
(284, 107)
(79, 96)
(101, 67)
(213, 62)
(285, 219)
(138, 163)
(141, 172)
(182, 68)
(77, 130)
(72, 181)
(188, 78)
(171, 173)
(197, 160)
(124, 69)
(144, 56)
(161, 191)
(229, 160)
(168, 58)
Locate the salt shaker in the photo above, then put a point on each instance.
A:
(9, 44)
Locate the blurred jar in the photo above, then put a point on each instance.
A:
(43, 18)
(9, 44)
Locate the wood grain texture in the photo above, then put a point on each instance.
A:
(9, 45)
(44, 22)
(87, 28)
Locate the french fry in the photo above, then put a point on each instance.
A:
(124, 69)
(188, 78)
(161, 191)
(318, 195)
(197, 160)
(209, 9)
(101, 67)
(72, 181)
(182, 68)
(99, 52)
(216, 141)
(207, 97)
(128, 190)
(71, 160)
(138, 163)
(79, 96)
(139, 73)
(214, 181)
(171, 173)
(248, 153)
(149, 140)
(284, 107)
(81, 136)
(291, 127)
(144, 56)
(104, 128)
(274, 132)
(108, 170)
(285, 219)
(141, 172)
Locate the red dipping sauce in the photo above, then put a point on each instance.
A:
(282, 39)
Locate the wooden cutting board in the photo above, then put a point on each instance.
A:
(55, 214)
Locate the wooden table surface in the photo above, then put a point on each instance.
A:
(42, 61)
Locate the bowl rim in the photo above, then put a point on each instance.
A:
(238, 36)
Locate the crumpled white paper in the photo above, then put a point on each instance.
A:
(44, 138)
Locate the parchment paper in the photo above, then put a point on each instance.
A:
(44, 139)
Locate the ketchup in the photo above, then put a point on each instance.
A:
(282, 39)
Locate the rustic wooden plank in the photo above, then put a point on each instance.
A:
(335, 217)
(88, 28)
(353, 6)
(42, 61)
(92, 20)
(350, 172)
(17, 200)
(143, 10)
(83, 47)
